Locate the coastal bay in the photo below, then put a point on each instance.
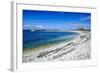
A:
(76, 49)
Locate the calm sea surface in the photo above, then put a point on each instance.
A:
(34, 39)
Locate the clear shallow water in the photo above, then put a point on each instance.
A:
(34, 39)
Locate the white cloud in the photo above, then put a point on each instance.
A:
(85, 18)
(40, 26)
(32, 26)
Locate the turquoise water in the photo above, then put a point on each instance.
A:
(34, 39)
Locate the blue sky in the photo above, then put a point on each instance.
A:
(33, 19)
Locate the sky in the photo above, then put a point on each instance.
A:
(33, 19)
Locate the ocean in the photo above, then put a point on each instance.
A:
(32, 39)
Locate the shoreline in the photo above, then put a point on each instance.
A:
(70, 50)
(47, 45)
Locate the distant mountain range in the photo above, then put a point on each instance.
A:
(46, 30)
(58, 30)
